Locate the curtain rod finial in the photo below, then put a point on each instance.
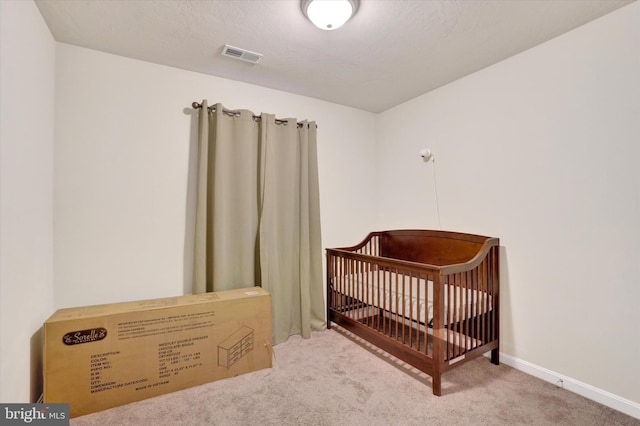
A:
(196, 105)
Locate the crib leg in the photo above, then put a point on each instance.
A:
(495, 356)
(437, 385)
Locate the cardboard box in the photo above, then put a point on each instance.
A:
(102, 356)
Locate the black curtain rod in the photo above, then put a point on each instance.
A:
(236, 113)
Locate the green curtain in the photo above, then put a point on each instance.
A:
(258, 214)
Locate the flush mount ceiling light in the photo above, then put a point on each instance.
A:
(329, 14)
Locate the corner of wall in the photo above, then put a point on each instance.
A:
(26, 189)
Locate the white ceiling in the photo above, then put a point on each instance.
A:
(390, 52)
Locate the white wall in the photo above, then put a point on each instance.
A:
(125, 139)
(542, 151)
(27, 68)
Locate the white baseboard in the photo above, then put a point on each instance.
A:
(583, 389)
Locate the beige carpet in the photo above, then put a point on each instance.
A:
(336, 379)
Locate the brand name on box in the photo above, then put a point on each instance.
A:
(84, 336)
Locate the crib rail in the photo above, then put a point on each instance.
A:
(369, 246)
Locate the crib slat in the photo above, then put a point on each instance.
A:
(360, 294)
(365, 302)
(400, 305)
(453, 288)
(418, 334)
(339, 265)
(375, 294)
(353, 289)
(451, 283)
(485, 283)
(471, 309)
(449, 321)
(461, 308)
(347, 284)
(476, 303)
(356, 287)
(404, 305)
(412, 283)
(476, 331)
(428, 290)
(395, 306)
(384, 301)
(479, 310)
(465, 343)
(463, 326)
(466, 328)
(449, 318)
(364, 293)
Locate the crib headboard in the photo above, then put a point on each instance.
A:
(437, 248)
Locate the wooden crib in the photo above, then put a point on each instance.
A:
(430, 298)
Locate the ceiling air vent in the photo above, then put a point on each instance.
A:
(242, 54)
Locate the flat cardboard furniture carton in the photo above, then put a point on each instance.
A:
(102, 356)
